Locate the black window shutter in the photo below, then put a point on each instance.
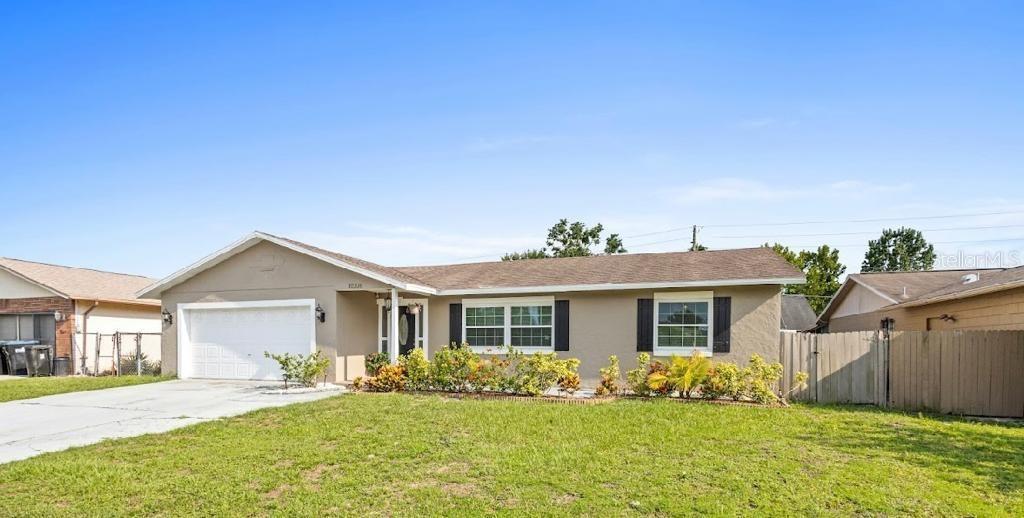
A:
(455, 324)
(645, 325)
(561, 325)
(723, 324)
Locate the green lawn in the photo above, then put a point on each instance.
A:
(425, 455)
(27, 388)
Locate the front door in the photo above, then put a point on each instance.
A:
(406, 330)
(410, 329)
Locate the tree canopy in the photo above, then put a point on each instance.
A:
(822, 269)
(571, 240)
(901, 250)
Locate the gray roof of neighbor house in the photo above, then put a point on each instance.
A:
(928, 287)
(903, 286)
(797, 314)
(673, 269)
(81, 283)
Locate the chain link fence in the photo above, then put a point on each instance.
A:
(121, 354)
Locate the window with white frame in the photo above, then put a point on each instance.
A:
(525, 323)
(682, 324)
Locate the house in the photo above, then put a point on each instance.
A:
(269, 293)
(66, 307)
(797, 314)
(981, 299)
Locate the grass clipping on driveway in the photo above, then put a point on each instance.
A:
(397, 454)
(27, 388)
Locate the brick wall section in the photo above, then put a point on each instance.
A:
(65, 328)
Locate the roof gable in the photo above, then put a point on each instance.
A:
(359, 266)
(80, 283)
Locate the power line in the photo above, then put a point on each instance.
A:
(834, 221)
(845, 245)
(869, 232)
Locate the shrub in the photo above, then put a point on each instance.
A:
(637, 378)
(762, 378)
(489, 374)
(451, 368)
(304, 369)
(358, 383)
(374, 362)
(610, 377)
(725, 380)
(390, 378)
(799, 383)
(569, 382)
(657, 379)
(534, 374)
(417, 369)
(130, 365)
(687, 374)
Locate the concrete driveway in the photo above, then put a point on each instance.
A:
(33, 426)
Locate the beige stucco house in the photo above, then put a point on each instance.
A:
(268, 293)
(937, 300)
(67, 307)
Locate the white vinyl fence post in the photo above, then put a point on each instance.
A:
(138, 354)
(96, 361)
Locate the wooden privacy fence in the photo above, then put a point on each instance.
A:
(957, 372)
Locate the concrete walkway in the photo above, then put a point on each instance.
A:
(33, 426)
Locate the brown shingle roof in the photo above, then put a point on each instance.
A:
(716, 265)
(394, 273)
(82, 283)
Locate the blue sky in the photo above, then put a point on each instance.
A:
(140, 137)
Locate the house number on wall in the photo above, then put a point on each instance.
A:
(355, 285)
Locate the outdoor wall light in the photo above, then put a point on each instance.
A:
(167, 316)
(321, 315)
(58, 316)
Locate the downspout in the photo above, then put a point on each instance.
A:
(85, 331)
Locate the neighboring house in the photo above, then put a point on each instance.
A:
(984, 299)
(797, 314)
(267, 293)
(57, 304)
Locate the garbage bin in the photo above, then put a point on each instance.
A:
(14, 356)
(39, 360)
(62, 366)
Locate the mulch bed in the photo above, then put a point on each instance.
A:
(597, 400)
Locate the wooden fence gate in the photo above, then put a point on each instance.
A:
(957, 372)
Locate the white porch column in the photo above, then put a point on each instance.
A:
(393, 327)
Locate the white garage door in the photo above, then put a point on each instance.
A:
(228, 343)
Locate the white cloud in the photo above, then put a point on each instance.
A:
(733, 189)
(739, 189)
(491, 145)
(759, 123)
(402, 245)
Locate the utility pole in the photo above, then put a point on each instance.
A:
(693, 244)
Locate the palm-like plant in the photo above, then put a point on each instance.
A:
(686, 374)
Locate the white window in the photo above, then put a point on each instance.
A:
(683, 323)
(524, 323)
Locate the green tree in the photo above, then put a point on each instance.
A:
(901, 250)
(822, 269)
(529, 254)
(613, 245)
(571, 240)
